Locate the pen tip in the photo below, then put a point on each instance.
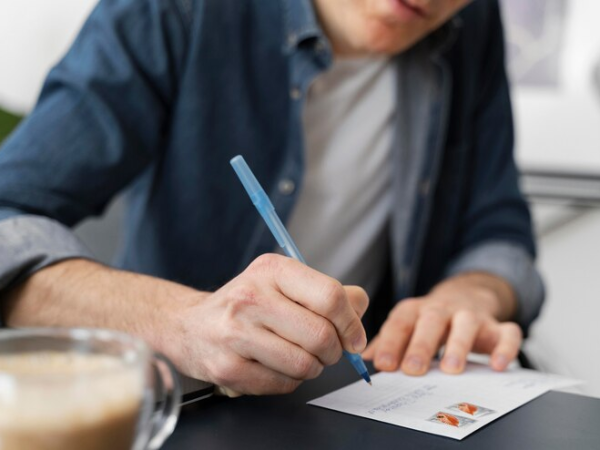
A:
(370, 384)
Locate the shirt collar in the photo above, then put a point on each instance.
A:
(301, 23)
(441, 40)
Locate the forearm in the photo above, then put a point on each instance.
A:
(275, 324)
(81, 293)
(492, 293)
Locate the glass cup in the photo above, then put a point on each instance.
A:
(84, 389)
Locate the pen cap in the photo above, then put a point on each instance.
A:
(265, 207)
(249, 181)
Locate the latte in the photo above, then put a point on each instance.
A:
(68, 401)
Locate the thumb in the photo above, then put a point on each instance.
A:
(358, 298)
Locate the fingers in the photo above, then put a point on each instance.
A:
(369, 353)
(394, 336)
(298, 325)
(463, 333)
(510, 339)
(319, 293)
(417, 327)
(256, 380)
(427, 336)
(226, 392)
(415, 330)
(358, 298)
(279, 355)
(471, 333)
(332, 303)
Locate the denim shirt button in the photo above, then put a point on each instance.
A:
(424, 187)
(291, 39)
(295, 93)
(286, 186)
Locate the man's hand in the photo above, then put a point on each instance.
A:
(276, 324)
(465, 313)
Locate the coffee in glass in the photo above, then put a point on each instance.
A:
(83, 389)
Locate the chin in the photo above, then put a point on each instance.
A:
(390, 48)
(385, 43)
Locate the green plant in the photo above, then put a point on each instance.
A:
(8, 122)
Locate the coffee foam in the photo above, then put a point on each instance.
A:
(54, 391)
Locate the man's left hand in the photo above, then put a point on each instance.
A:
(466, 313)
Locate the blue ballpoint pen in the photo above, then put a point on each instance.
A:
(266, 209)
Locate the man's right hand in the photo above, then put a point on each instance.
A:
(276, 324)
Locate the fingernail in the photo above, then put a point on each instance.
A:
(500, 362)
(452, 362)
(414, 364)
(385, 360)
(359, 344)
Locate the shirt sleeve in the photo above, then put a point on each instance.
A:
(513, 264)
(101, 120)
(30, 243)
(497, 232)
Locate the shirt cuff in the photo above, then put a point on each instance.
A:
(512, 263)
(29, 243)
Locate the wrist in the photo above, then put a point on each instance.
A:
(176, 329)
(486, 292)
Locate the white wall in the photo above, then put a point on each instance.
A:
(560, 128)
(34, 34)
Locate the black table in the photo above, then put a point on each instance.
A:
(553, 421)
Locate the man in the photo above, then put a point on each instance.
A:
(380, 128)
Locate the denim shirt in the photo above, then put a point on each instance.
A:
(156, 96)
